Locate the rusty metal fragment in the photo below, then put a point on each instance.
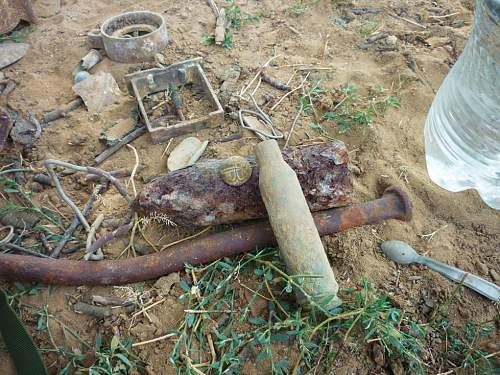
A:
(198, 195)
(394, 204)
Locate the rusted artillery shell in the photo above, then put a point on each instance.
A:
(198, 196)
(393, 205)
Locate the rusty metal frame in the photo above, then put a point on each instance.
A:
(151, 81)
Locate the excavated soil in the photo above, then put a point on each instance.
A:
(388, 152)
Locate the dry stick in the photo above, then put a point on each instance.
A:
(134, 170)
(97, 254)
(65, 198)
(62, 112)
(50, 163)
(22, 249)
(293, 124)
(71, 229)
(258, 75)
(120, 231)
(132, 136)
(256, 87)
(154, 340)
(290, 92)
(408, 20)
(445, 16)
(166, 148)
(186, 238)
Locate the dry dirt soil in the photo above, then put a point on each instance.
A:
(456, 228)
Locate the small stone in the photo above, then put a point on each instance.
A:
(81, 76)
(165, 283)
(494, 275)
(36, 187)
(482, 268)
(235, 171)
(378, 354)
(355, 169)
(143, 331)
(392, 40)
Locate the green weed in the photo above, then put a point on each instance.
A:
(236, 17)
(217, 318)
(227, 43)
(299, 8)
(18, 35)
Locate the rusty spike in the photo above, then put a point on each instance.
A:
(394, 204)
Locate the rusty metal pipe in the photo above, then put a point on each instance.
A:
(394, 204)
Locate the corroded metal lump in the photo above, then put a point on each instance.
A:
(198, 196)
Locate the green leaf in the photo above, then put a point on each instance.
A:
(10, 190)
(184, 286)
(258, 321)
(262, 355)
(115, 342)
(123, 359)
(98, 342)
(279, 337)
(282, 364)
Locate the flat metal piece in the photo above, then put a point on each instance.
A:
(189, 72)
(11, 52)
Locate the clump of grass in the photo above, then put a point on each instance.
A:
(463, 346)
(299, 8)
(17, 35)
(111, 357)
(353, 111)
(227, 43)
(220, 333)
(236, 16)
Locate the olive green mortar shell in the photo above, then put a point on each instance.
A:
(293, 226)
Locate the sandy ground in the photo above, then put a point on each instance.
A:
(389, 152)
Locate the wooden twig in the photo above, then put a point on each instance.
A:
(132, 136)
(290, 92)
(50, 163)
(276, 83)
(134, 170)
(63, 111)
(12, 246)
(154, 340)
(76, 222)
(293, 124)
(257, 75)
(414, 23)
(445, 15)
(120, 231)
(91, 235)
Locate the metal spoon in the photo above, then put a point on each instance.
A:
(402, 253)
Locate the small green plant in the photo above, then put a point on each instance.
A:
(227, 43)
(236, 17)
(298, 8)
(18, 35)
(354, 111)
(463, 346)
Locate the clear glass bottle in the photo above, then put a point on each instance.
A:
(462, 131)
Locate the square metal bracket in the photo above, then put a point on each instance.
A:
(147, 82)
